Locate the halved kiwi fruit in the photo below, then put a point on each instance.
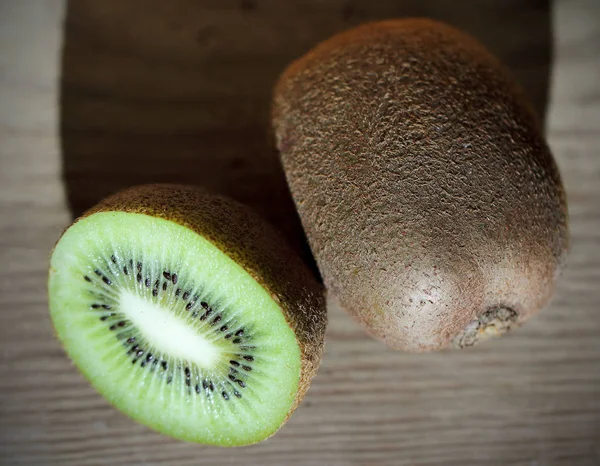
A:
(188, 313)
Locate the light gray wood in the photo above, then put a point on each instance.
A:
(531, 398)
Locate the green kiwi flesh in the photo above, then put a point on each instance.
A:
(430, 200)
(173, 330)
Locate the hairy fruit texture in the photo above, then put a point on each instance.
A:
(423, 182)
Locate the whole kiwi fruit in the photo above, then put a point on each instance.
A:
(431, 202)
(188, 313)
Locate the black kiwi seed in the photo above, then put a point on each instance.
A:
(164, 365)
(225, 395)
(106, 280)
(237, 340)
(239, 332)
(97, 272)
(232, 377)
(248, 358)
(247, 368)
(164, 287)
(113, 259)
(130, 340)
(216, 320)
(174, 278)
(154, 292)
(223, 328)
(211, 387)
(240, 383)
(234, 363)
(189, 305)
(86, 278)
(237, 394)
(228, 336)
(139, 278)
(178, 292)
(125, 270)
(169, 379)
(167, 275)
(197, 388)
(139, 266)
(186, 295)
(148, 283)
(96, 306)
(149, 357)
(105, 306)
(113, 327)
(205, 385)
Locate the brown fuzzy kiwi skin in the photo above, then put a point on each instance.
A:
(251, 243)
(430, 200)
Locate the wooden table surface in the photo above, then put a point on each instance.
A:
(97, 95)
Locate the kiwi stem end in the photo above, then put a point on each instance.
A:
(493, 322)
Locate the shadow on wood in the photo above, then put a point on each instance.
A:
(179, 91)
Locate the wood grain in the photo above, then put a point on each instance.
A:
(531, 398)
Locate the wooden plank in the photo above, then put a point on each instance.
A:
(531, 398)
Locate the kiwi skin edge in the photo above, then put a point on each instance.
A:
(252, 244)
(429, 197)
